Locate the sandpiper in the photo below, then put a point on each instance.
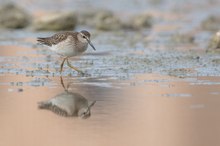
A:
(68, 104)
(68, 44)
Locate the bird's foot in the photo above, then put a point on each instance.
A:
(80, 72)
(83, 74)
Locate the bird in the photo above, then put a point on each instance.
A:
(68, 44)
(68, 104)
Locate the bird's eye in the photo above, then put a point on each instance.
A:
(84, 37)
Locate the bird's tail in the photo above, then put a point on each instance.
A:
(49, 106)
(44, 105)
(44, 41)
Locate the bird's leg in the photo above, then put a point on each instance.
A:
(62, 83)
(76, 69)
(61, 66)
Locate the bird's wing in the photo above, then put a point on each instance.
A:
(55, 39)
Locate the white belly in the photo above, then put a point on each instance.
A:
(68, 48)
(63, 50)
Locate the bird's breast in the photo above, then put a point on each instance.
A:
(81, 47)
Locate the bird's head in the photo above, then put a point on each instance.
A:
(85, 111)
(84, 36)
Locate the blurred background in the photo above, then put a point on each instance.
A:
(155, 75)
(141, 22)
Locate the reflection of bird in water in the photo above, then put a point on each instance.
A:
(68, 104)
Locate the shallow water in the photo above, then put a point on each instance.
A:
(149, 88)
(175, 111)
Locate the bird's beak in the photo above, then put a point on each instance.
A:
(92, 103)
(90, 43)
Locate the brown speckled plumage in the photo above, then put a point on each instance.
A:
(57, 38)
(61, 36)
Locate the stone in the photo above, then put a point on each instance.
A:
(107, 21)
(56, 22)
(14, 17)
(100, 19)
(86, 17)
(139, 22)
(182, 38)
(211, 23)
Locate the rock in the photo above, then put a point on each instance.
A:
(86, 17)
(182, 38)
(56, 21)
(215, 41)
(12, 16)
(107, 21)
(139, 21)
(211, 23)
(216, 61)
(100, 19)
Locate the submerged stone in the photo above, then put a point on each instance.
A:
(216, 61)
